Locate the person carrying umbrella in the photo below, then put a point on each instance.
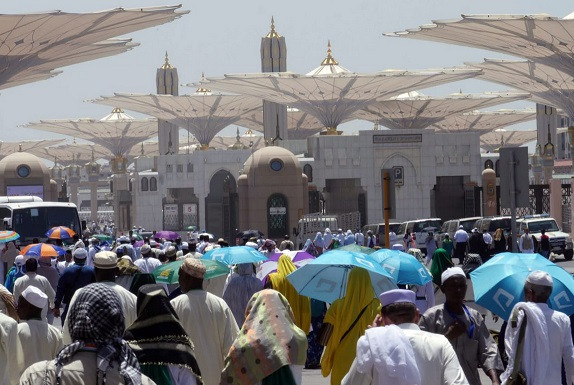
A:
(465, 328)
(547, 342)
(301, 305)
(348, 318)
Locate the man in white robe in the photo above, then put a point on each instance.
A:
(547, 341)
(106, 270)
(37, 340)
(427, 358)
(8, 335)
(31, 278)
(207, 320)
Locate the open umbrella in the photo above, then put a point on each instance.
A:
(299, 258)
(104, 237)
(405, 269)
(42, 250)
(234, 255)
(60, 232)
(325, 278)
(169, 273)
(167, 235)
(8, 236)
(358, 249)
(499, 283)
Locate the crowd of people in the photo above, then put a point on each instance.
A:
(119, 326)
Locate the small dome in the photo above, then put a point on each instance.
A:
(23, 165)
(273, 163)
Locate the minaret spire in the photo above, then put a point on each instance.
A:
(329, 60)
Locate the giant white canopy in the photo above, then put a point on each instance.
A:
(414, 110)
(117, 132)
(7, 148)
(484, 120)
(494, 140)
(33, 45)
(204, 113)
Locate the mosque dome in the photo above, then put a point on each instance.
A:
(23, 165)
(273, 163)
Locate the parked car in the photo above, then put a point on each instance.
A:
(420, 227)
(451, 226)
(378, 230)
(560, 242)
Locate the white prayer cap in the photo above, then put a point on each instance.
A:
(152, 242)
(124, 239)
(184, 245)
(398, 246)
(80, 253)
(396, 296)
(145, 249)
(19, 260)
(475, 230)
(461, 227)
(35, 297)
(540, 278)
(106, 260)
(451, 272)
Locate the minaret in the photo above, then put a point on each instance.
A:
(167, 83)
(274, 59)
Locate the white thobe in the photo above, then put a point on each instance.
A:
(212, 328)
(425, 297)
(559, 341)
(147, 264)
(8, 336)
(37, 341)
(434, 355)
(42, 283)
(127, 300)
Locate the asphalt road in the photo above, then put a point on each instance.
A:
(314, 377)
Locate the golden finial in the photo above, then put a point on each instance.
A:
(20, 147)
(117, 110)
(329, 60)
(272, 33)
(202, 90)
(166, 64)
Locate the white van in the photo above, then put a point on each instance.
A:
(421, 228)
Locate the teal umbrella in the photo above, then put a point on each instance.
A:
(358, 249)
(325, 278)
(103, 237)
(405, 269)
(499, 283)
(169, 273)
(234, 255)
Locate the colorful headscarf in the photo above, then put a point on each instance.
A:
(157, 337)
(301, 305)
(96, 318)
(268, 341)
(440, 262)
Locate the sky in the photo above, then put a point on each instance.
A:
(221, 37)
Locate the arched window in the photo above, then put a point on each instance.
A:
(308, 170)
(488, 164)
(496, 169)
(145, 184)
(153, 183)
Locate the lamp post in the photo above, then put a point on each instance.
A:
(536, 165)
(548, 159)
(73, 173)
(93, 171)
(571, 140)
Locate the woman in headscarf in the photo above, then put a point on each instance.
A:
(327, 239)
(300, 305)
(440, 262)
(319, 243)
(97, 355)
(240, 289)
(270, 349)
(499, 241)
(16, 271)
(447, 245)
(163, 348)
(349, 317)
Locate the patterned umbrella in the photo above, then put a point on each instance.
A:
(167, 235)
(42, 250)
(169, 273)
(60, 232)
(8, 235)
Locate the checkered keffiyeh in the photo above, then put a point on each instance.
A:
(96, 318)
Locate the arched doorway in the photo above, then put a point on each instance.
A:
(221, 206)
(277, 216)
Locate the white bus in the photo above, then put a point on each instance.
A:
(32, 218)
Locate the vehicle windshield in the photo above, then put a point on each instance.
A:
(468, 225)
(549, 225)
(34, 222)
(430, 225)
(503, 223)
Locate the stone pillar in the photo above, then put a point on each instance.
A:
(94, 199)
(74, 185)
(556, 200)
(488, 192)
(201, 212)
(167, 83)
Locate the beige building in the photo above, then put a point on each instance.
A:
(26, 174)
(273, 192)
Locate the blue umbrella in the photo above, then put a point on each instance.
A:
(235, 255)
(325, 278)
(499, 283)
(403, 267)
